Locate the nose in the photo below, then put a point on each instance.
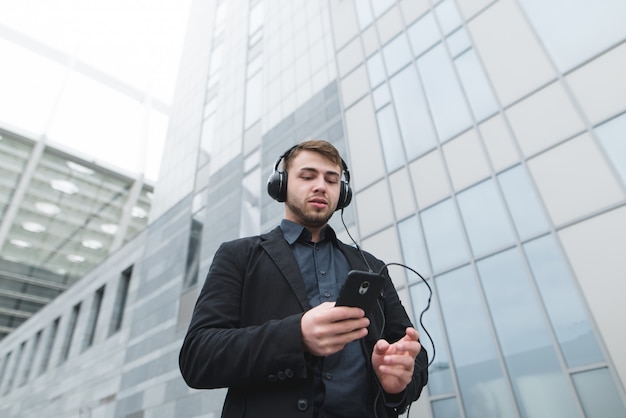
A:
(319, 184)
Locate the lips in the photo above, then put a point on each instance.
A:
(318, 202)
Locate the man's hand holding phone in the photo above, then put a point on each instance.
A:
(327, 328)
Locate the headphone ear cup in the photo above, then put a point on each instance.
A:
(277, 186)
(345, 195)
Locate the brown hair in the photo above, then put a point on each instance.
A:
(316, 145)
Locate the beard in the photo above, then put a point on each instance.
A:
(308, 216)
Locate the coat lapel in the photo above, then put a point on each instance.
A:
(278, 250)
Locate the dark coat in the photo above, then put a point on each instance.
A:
(245, 332)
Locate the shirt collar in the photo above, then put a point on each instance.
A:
(292, 231)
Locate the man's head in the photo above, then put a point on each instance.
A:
(311, 183)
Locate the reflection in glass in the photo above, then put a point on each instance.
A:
(446, 408)
(483, 385)
(376, 69)
(563, 303)
(390, 138)
(479, 93)
(611, 135)
(413, 249)
(539, 383)
(423, 34)
(417, 130)
(440, 372)
(443, 92)
(598, 394)
(444, 236)
(397, 54)
(485, 218)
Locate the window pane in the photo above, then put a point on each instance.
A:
(381, 96)
(444, 236)
(376, 69)
(524, 338)
(569, 29)
(523, 202)
(443, 93)
(413, 249)
(440, 373)
(424, 34)
(390, 138)
(446, 408)
(448, 16)
(380, 6)
(458, 42)
(598, 394)
(363, 13)
(484, 388)
(416, 127)
(397, 54)
(612, 136)
(485, 218)
(563, 303)
(253, 99)
(481, 98)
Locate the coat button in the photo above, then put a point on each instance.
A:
(289, 373)
(272, 378)
(303, 404)
(281, 376)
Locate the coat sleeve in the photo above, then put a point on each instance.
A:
(223, 347)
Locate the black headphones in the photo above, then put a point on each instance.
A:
(277, 183)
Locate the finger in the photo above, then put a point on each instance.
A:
(341, 313)
(398, 372)
(412, 348)
(411, 334)
(404, 361)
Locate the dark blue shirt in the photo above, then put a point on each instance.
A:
(340, 379)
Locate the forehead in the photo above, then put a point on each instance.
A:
(314, 160)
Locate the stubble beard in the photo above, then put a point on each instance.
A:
(310, 218)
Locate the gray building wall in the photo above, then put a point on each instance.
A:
(484, 150)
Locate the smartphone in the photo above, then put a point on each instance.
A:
(361, 290)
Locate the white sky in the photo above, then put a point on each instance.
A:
(60, 61)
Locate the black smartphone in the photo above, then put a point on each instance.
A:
(361, 290)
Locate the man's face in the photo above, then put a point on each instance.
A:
(313, 187)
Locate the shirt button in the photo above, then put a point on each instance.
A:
(328, 376)
(303, 404)
(327, 295)
(322, 272)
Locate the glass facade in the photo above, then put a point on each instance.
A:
(486, 150)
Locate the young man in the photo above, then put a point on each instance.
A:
(266, 326)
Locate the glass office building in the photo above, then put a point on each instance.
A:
(485, 141)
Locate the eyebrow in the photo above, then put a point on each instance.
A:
(315, 170)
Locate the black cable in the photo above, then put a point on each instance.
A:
(421, 323)
(430, 295)
(355, 243)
